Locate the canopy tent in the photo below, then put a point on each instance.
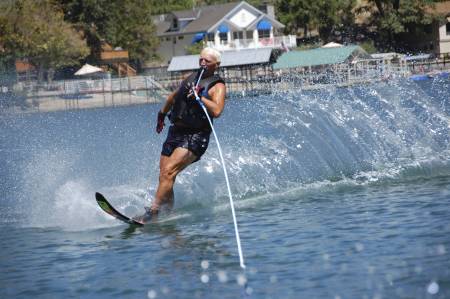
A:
(198, 37)
(332, 45)
(264, 25)
(223, 28)
(88, 69)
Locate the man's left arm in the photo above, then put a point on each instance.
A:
(217, 103)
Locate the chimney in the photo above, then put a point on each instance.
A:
(270, 10)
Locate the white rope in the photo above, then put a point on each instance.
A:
(236, 230)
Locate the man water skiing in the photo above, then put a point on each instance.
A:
(188, 136)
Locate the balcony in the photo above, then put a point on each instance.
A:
(287, 41)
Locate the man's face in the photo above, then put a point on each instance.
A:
(208, 60)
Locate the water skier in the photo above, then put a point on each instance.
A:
(188, 136)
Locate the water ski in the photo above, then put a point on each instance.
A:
(108, 208)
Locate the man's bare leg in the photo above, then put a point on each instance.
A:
(169, 168)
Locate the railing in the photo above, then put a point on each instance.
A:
(256, 79)
(79, 94)
(287, 41)
(88, 86)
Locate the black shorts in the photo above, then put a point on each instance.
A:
(192, 139)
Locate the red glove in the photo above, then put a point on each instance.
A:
(160, 122)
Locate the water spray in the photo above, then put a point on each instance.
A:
(238, 239)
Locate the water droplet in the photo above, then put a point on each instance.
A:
(222, 276)
(359, 247)
(165, 290)
(165, 243)
(441, 250)
(204, 264)
(204, 278)
(241, 279)
(433, 288)
(151, 294)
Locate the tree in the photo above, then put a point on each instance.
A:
(36, 30)
(121, 23)
(395, 20)
(330, 17)
(130, 26)
(162, 7)
(296, 14)
(89, 17)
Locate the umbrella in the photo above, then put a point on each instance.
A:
(88, 69)
(332, 45)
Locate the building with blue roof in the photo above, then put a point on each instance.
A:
(226, 27)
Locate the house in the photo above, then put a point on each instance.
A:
(441, 30)
(230, 26)
(116, 59)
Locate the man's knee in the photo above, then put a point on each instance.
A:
(167, 173)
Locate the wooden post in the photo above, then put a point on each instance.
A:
(103, 90)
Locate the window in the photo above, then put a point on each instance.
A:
(223, 36)
(238, 35)
(447, 27)
(181, 37)
(263, 33)
(175, 24)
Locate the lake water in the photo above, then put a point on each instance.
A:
(339, 193)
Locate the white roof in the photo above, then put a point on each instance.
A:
(229, 58)
(389, 55)
(88, 69)
(332, 45)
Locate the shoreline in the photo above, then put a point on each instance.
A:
(80, 102)
(46, 102)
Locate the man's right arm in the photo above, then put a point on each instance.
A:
(163, 112)
(169, 102)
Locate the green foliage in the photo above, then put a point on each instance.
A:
(36, 30)
(130, 26)
(296, 14)
(58, 33)
(195, 48)
(394, 19)
(328, 16)
(121, 23)
(369, 46)
(166, 6)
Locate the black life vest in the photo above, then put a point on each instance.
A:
(187, 112)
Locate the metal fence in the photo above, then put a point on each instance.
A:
(83, 93)
(254, 80)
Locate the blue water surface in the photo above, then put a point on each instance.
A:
(339, 193)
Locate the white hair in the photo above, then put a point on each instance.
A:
(216, 54)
